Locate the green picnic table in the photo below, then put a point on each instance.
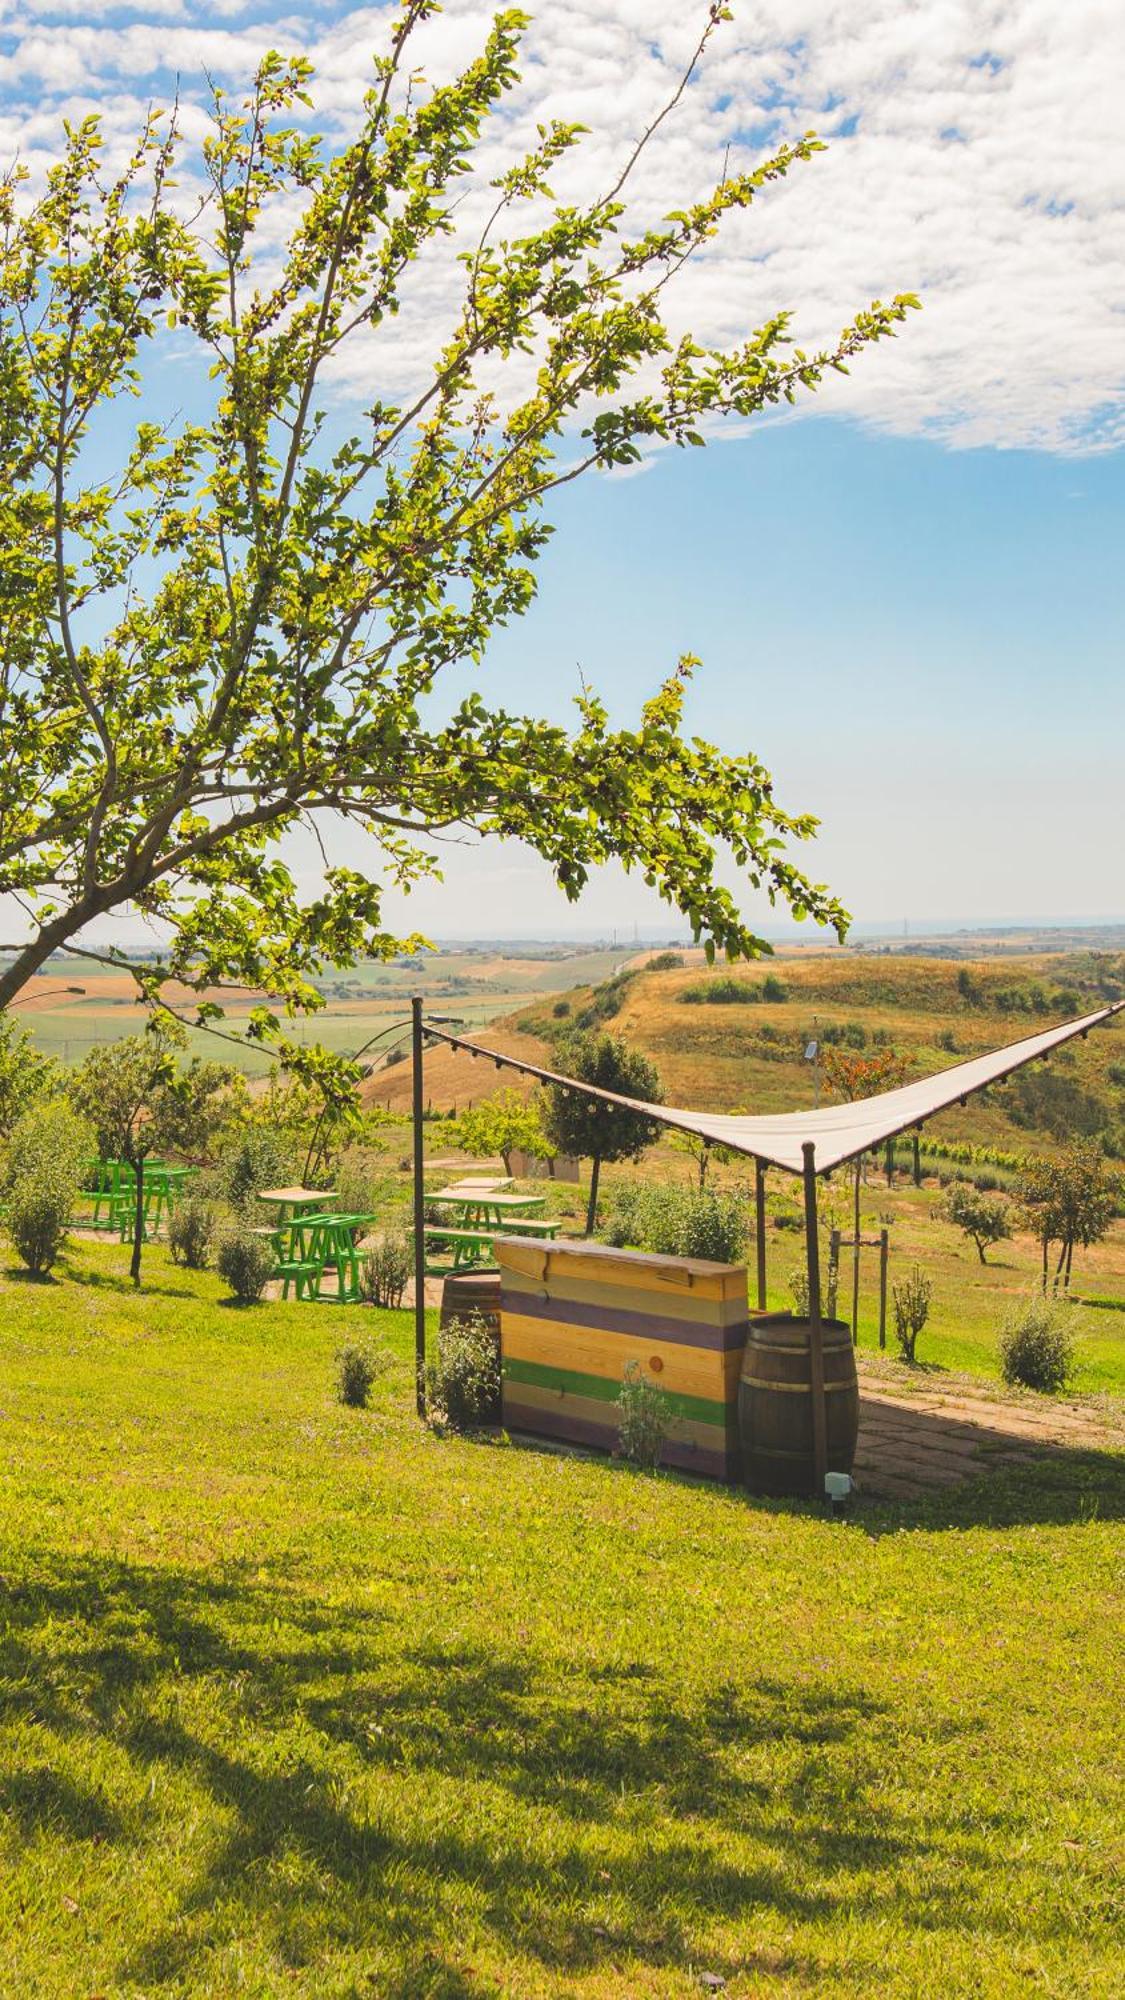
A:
(308, 1238)
(475, 1218)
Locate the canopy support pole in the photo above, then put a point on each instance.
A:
(816, 1328)
(760, 1229)
(419, 1213)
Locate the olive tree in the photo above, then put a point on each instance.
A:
(241, 626)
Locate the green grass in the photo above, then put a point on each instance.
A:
(302, 1700)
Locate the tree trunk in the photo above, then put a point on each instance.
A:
(592, 1209)
(1044, 1264)
(980, 1250)
(138, 1219)
(889, 1162)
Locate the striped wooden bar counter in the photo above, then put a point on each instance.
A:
(573, 1315)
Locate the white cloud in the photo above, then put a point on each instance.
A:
(976, 158)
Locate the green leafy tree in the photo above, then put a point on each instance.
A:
(984, 1218)
(504, 1124)
(139, 1101)
(1068, 1201)
(575, 1123)
(238, 628)
(25, 1075)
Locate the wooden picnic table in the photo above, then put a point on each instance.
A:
(479, 1184)
(294, 1201)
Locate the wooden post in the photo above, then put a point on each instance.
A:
(917, 1159)
(855, 1262)
(419, 1214)
(760, 1229)
(884, 1252)
(816, 1329)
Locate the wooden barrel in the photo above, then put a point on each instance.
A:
(775, 1403)
(466, 1292)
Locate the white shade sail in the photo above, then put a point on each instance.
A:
(837, 1132)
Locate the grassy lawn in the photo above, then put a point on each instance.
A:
(302, 1700)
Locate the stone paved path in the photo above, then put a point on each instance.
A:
(912, 1442)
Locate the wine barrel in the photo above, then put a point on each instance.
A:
(466, 1292)
(775, 1403)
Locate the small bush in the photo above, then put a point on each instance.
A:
(40, 1206)
(912, 1309)
(463, 1380)
(665, 961)
(387, 1269)
(561, 1009)
(623, 1225)
(679, 1222)
(245, 1262)
(190, 1231)
(723, 992)
(46, 1154)
(254, 1159)
(1036, 1346)
(774, 988)
(642, 1419)
(359, 1171)
(357, 1368)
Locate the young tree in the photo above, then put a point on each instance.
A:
(138, 1101)
(595, 1131)
(985, 1218)
(1068, 1201)
(504, 1124)
(240, 628)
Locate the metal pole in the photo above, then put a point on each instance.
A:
(760, 1229)
(816, 1329)
(884, 1251)
(855, 1263)
(419, 1213)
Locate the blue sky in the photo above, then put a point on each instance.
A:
(925, 645)
(908, 600)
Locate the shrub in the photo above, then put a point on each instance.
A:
(1036, 1346)
(39, 1211)
(679, 1222)
(642, 1419)
(255, 1158)
(665, 961)
(912, 1309)
(387, 1269)
(561, 1009)
(359, 1171)
(356, 1370)
(724, 992)
(245, 1261)
(624, 1225)
(190, 1231)
(774, 988)
(708, 1224)
(43, 1175)
(463, 1380)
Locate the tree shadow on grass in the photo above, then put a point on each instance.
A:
(427, 1800)
(120, 1281)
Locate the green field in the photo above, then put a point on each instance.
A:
(302, 1700)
